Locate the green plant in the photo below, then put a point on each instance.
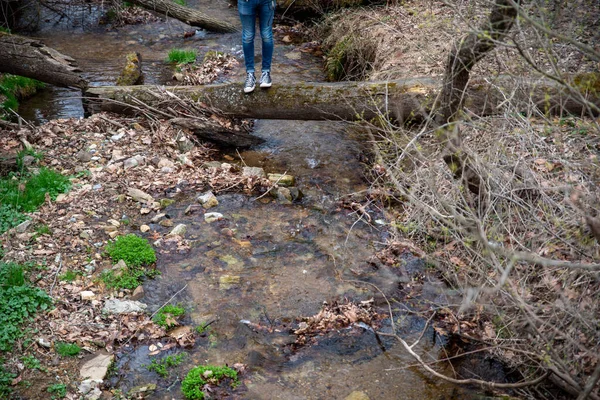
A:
(180, 56)
(43, 230)
(134, 250)
(202, 375)
(69, 276)
(167, 316)
(31, 362)
(161, 366)
(67, 349)
(6, 378)
(18, 303)
(58, 390)
(14, 87)
(10, 217)
(26, 195)
(202, 328)
(180, 2)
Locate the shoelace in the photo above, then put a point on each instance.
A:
(265, 76)
(250, 80)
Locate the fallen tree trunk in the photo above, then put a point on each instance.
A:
(215, 133)
(402, 99)
(187, 15)
(30, 58)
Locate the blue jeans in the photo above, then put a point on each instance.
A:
(264, 10)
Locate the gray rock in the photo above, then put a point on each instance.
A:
(90, 268)
(23, 226)
(158, 217)
(28, 161)
(179, 230)
(84, 156)
(212, 164)
(117, 137)
(143, 390)
(130, 163)
(253, 171)
(296, 193)
(284, 196)
(96, 368)
(115, 306)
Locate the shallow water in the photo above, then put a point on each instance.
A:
(286, 260)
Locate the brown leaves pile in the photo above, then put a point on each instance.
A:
(215, 64)
(336, 316)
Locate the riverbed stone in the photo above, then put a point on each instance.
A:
(212, 164)
(356, 395)
(179, 230)
(167, 223)
(253, 172)
(139, 195)
(142, 390)
(115, 306)
(97, 367)
(84, 156)
(23, 226)
(87, 295)
(144, 228)
(212, 217)
(131, 74)
(138, 293)
(208, 200)
(282, 179)
(284, 196)
(227, 281)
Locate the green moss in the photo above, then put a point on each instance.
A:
(67, 349)
(161, 367)
(13, 88)
(180, 56)
(202, 375)
(180, 2)
(134, 250)
(168, 315)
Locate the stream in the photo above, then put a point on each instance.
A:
(281, 262)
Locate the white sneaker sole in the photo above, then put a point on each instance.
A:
(249, 90)
(265, 85)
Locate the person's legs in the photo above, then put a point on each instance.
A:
(247, 11)
(266, 11)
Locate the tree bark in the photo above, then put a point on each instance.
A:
(403, 99)
(215, 133)
(187, 15)
(30, 58)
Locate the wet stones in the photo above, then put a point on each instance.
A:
(208, 200)
(253, 172)
(228, 281)
(282, 179)
(179, 230)
(212, 217)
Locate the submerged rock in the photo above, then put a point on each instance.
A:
(179, 230)
(282, 179)
(208, 200)
(356, 395)
(213, 216)
(253, 171)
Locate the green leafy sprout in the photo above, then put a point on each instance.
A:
(202, 375)
(18, 303)
(58, 390)
(162, 366)
(168, 315)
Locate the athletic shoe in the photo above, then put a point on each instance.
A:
(265, 79)
(250, 83)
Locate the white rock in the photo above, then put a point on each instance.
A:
(114, 222)
(253, 171)
(23, 226)
(213, 216)
(165, 162)
(96, 368)
(144, 228)
(115, 306)
(87, 295)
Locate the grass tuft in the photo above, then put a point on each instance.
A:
(67, 349)
(180, 56)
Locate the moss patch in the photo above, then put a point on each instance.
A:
(203, 375)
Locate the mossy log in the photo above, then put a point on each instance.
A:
(30, 58)
(402, 99)
(187, 15)
(213, 132)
